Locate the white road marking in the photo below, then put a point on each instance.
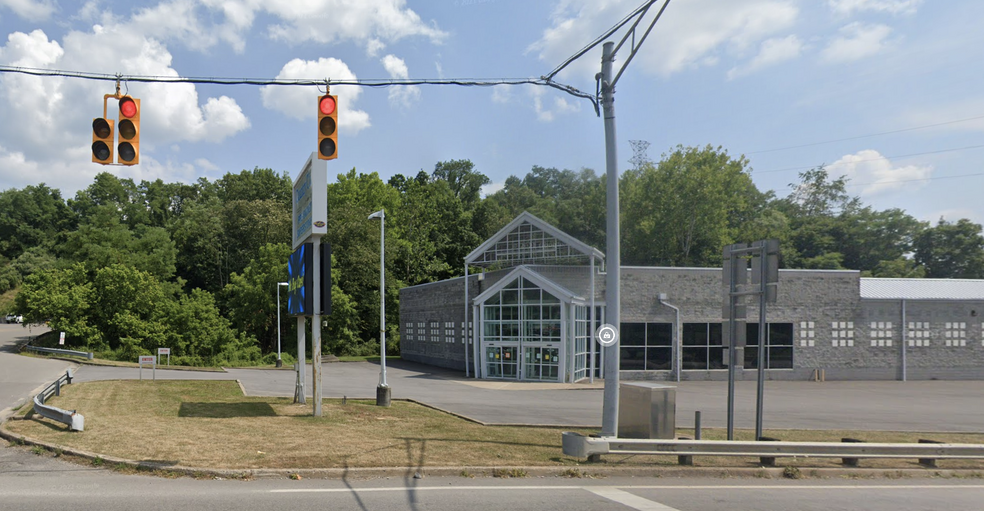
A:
(627, 499)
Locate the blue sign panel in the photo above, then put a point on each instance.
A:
(300, 281)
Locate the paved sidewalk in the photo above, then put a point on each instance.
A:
(956, 406)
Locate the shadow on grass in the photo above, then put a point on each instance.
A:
(473, 441)
(226, 410)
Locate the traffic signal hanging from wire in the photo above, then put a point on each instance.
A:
(129, 128)
(327, 127)
(102, 141)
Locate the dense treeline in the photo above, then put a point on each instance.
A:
(125, 267)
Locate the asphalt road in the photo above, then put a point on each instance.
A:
(19, 376)
(954, 406)
(75, 488)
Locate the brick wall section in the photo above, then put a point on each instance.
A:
(823, 298)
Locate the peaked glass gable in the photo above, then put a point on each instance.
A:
(528, 244)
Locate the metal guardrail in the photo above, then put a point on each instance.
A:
(74, 420)
(580, 446)
(56, 351)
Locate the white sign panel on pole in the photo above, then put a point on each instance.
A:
(310, 198)
(61, 338)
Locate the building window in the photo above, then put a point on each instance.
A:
(807, 333)
(842, 333)
(646, 346)
(955, 334)
(778, 342)
(880, 333)
(448, 331)
(435, 333)
(702, 346)
(918, 333)
(521, 310)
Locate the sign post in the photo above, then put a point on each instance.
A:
(309, 222)
(148, 359)
(164, 351)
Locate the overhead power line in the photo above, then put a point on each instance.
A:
(858, 137)
(303, 82)
(910, 155)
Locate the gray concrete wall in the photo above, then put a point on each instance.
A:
(815, 302)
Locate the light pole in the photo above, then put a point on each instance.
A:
(383, 390)
(280, 363)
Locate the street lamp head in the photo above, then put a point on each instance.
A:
(283, 284)
(379, 214)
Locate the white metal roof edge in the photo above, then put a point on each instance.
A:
(524, 271)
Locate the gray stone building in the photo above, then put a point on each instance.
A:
(531, 311)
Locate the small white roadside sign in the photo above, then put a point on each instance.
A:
(148, 359)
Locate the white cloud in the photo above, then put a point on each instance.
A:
(501, 94)
(374, 46)
(848, 7)
(771, 52)
(201, 24)
(400, 96)
(547, 109)
(876, 174)
(690, 34)
(62, 110)
(361, 21)
(492, 188)
(301, 102)
(34, 10)
(856, 41)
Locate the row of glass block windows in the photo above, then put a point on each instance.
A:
(434, 331)
(649, 346)
(882, 333)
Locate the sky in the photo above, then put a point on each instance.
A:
(886, 92)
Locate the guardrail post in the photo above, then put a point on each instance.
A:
(58, 387)
(928, 462)
(68, 376)
(850, 462)
(697, 425)
(767, 461)
(685, 459)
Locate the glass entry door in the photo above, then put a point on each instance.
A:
(541, 362)
(502, 360)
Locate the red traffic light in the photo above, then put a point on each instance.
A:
(327, 127)
(129, 128)
(327, 105)
(127, 107)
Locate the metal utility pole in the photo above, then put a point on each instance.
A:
(609, 418)
(383, 391)
(316, 369)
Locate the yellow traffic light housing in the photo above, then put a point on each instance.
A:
(129, 128)
(102, 141)
(327, 127)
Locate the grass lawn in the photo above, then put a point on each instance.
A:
(210, 424)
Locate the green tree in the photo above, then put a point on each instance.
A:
(681, 211)
(951, 250)
(32, 217)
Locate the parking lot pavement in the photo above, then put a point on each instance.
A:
(19, 376)
(956, 406)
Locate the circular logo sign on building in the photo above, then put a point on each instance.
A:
(607, 335)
